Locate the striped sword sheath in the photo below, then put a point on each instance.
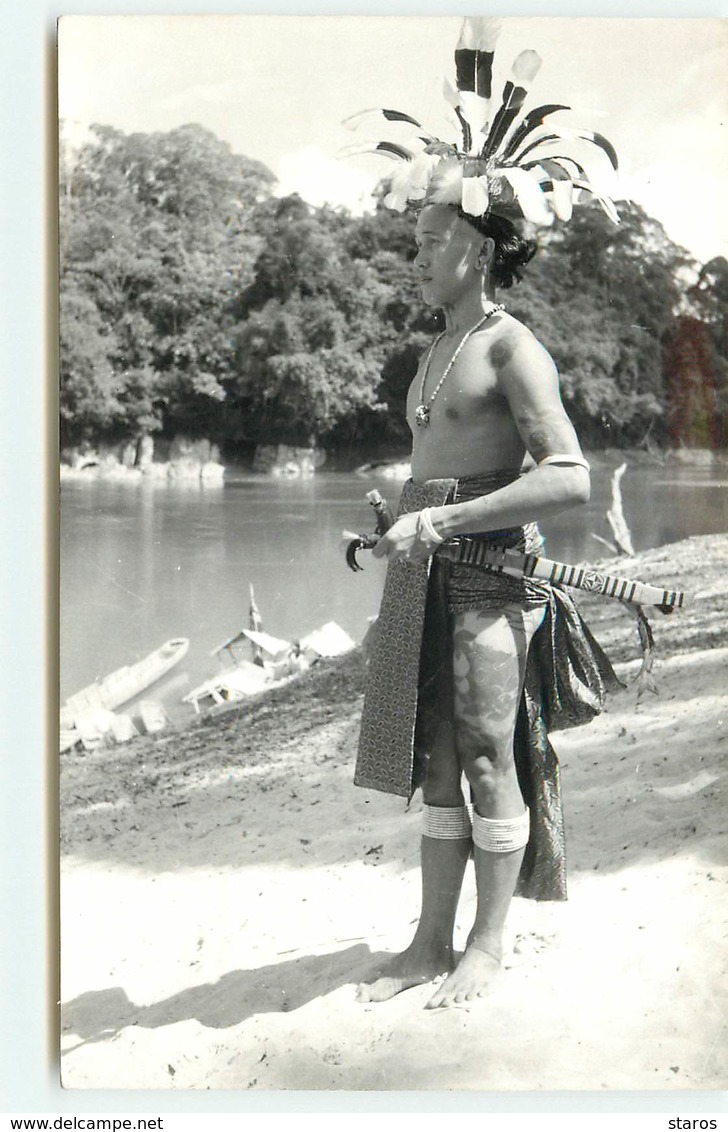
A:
(475, 553)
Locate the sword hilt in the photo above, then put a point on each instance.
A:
(385, 519)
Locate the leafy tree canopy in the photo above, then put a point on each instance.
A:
(193, 300)
(156, 237)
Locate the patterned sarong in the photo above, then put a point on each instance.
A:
(410, 675)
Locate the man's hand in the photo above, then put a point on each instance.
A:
(403, 541)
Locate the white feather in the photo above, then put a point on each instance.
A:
(525, 68)
(527, 191)
(386, 129)
(561, 196)
(475, 111)
(413, 149)
(411, 181)
(365, 147)
(399, 184)
(480, 33)
(450, 92)
(447, 183)
(475, 197)
(597, 167)
(605, 202)
(354, 121)
(396, 202)
(420, 172)
(540, 136)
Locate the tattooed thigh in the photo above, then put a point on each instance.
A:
(489, 662)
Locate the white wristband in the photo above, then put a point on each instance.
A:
(426, 527)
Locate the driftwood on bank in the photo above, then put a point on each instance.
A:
(623, 545)
(615, 515)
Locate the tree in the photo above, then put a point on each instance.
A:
(155, 245)
(309, 348)
(603, 298)
(696, 362)
(194, 301)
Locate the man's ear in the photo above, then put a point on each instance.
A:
(485, 253)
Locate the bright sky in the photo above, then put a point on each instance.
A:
(277, 89)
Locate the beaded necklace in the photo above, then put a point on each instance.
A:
(422, 412)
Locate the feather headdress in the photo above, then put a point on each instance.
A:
(511, 163)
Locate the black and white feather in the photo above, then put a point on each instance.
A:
(510, 161)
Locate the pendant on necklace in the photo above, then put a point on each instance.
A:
(422, 416)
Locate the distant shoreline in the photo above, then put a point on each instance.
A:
(395, 467)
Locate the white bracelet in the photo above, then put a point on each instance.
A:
(577, 461)
(425, 524)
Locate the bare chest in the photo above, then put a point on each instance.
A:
(455, 392)
(468, 426)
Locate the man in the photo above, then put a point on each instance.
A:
(499, 402)
(450, 660)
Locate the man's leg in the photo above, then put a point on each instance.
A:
(445, 849)
(490, 652)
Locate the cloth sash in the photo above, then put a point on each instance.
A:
(409, 680)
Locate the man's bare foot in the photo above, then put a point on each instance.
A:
(472, 978)
(412, 968)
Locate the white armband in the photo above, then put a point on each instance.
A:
(575, 461)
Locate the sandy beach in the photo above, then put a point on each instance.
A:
(225, 886)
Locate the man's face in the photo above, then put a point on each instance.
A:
(448, 255)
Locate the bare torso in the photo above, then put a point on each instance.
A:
(472, 429)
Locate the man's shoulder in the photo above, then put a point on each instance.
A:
(512, 327)
(514, 345)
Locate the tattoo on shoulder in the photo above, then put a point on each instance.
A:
(501, 352)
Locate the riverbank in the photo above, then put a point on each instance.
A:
(200, 462)
(225, 885)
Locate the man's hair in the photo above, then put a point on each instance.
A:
(512, 251)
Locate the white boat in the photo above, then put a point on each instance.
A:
(279, 661)
(245, 679)
(124, 684)
(274, 646)
(328, 641)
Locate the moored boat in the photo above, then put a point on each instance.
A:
(124, 684)
(245, 679)
(278, 661)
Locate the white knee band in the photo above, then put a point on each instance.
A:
(448, 823)
(501, 836)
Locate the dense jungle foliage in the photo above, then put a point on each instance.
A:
(194, 301)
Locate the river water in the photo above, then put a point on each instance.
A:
(143, 562)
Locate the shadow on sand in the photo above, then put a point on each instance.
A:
(100, 1015)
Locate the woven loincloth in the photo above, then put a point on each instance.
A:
(410, 675)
